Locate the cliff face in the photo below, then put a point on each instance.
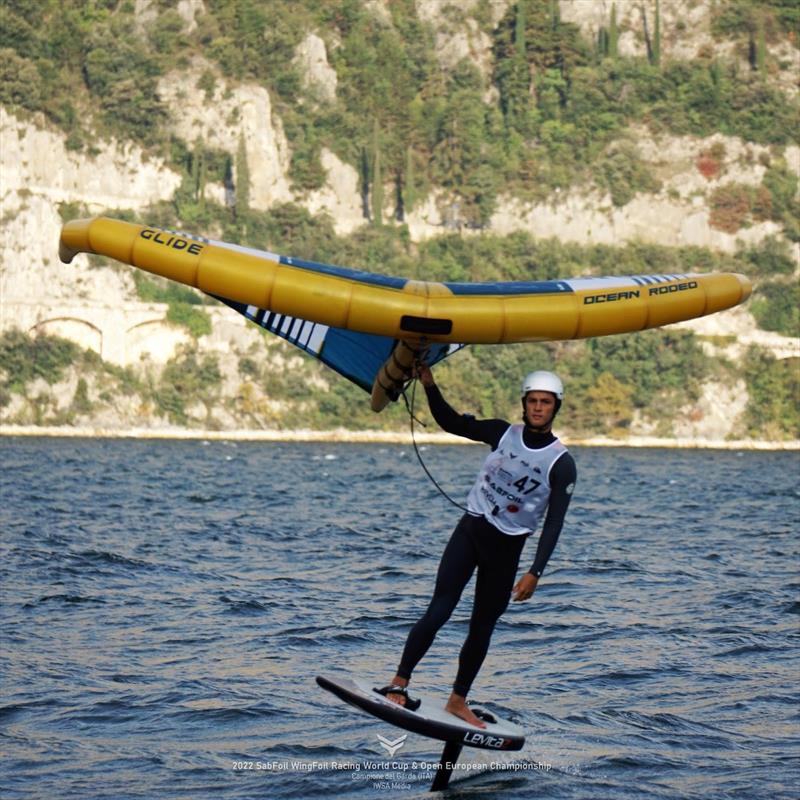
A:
(98, 308)
(225, 117)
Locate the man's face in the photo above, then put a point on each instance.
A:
(539, 409)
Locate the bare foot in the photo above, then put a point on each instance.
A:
(395, 698)
(458, 705)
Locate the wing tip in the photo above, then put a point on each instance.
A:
(745, 285)
(74, 239)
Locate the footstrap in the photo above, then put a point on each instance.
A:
(411, 703)
(483, 715)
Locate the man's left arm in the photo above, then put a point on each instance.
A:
(562, 482)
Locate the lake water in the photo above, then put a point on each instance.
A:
(167, 605)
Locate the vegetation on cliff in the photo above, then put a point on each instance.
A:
(552, 110)
(93, 69)
(611, 381)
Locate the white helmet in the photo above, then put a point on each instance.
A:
(543, 381)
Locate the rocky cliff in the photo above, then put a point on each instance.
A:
(42, 181)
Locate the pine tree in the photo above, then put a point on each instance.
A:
(364, 170)
(230, 186)
(399, 202)
(194, 169)
(715, 73)
(555, 13)
(199, 173)
(519, 29)
(242, 178)
(761, 44)
(520, 85)
(602, 43)
(377, 179)
(657, 36)
(613, 33)
(410, 187)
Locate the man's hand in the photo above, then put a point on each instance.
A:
(423, 372)
(524, 587)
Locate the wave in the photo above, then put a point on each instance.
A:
(248, 607)
(64, 598)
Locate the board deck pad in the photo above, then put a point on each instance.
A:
(430, 719)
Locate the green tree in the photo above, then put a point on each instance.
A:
(515, 78)
(602, 43)
(657, 36)
(186, 380)
(769, 258)
(623, 173)
(410, 182)
(613, 34)
(773, 387)
(197, 322)
(761, 44)
(19, 80)
(776, 307)
(377, 178)
(610, 403)
(199, 172)
(242, 179)
(81, 404)
(460, 157)
(122, 75)
(782, 184)
(25, 358)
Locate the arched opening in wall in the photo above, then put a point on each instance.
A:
(155, 340)
(83, 333)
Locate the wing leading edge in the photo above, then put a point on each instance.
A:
(420, 312)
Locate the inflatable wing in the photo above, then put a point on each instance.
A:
(370, 327)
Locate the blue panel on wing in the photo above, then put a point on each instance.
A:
(356, 356)
(346, 272)
(510, 287)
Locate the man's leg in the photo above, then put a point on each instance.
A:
(455, 569)
(496, 577)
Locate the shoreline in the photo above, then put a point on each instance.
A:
(344, 436)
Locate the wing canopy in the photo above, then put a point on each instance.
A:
(356, 356)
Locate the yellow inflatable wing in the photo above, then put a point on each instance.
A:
(323, 308)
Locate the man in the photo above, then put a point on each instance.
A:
(528, 471)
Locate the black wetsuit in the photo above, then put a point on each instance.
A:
(477, 543)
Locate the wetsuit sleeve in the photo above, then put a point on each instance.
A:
(562, 482)
(489, 431)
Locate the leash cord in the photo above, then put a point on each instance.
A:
(412, 418)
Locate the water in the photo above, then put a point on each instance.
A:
(166, 606)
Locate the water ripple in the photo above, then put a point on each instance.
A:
(166, 605)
